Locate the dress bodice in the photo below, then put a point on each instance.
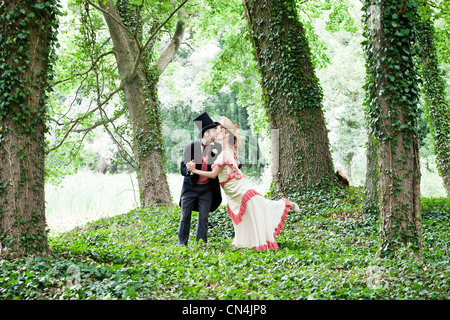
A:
(231, 169)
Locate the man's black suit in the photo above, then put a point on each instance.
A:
(194, 197)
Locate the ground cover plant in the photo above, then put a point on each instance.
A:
(328, 251)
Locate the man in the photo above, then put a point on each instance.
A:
(199, 193)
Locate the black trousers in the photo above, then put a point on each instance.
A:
(202, 195)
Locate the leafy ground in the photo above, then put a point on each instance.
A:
(326, 252)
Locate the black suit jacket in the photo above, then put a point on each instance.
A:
(193, 151)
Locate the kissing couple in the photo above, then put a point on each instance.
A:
(205, 165)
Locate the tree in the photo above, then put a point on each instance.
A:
(134, 28)
(434, 92)
(28, 34)
(442, 30)
(371, 192)
(138, 81)
(392, 100)
(293, 97)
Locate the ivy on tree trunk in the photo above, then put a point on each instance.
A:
(293, 98)
(392, 106)
(28, 34)
(434, 94)
(371, 192)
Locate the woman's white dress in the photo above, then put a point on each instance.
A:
(256, 220)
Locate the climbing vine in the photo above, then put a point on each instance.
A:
(300, 92)
(150, 139)
(15, 61)
(27, 42)
(434, 92)
(392, 108)
(394, 68)
(293, 97)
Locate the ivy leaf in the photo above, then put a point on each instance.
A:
(39, 6)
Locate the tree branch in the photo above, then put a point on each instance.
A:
(173, 46)
(89, 70)
(119, 22)
(102, 122)
(403, 8)
(77, 121)
(142, 49)
(121, 148)
(162, 25)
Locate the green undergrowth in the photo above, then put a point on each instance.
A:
(328, 251)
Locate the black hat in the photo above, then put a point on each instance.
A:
(204, 122)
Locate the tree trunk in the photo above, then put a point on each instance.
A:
(435, 100)
(393, 98)
(371, 193)
(26, 41)
(293, 97)
(140, 92)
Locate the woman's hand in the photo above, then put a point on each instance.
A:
(208, 174)
(190, 166)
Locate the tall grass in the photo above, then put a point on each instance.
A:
(88, 196)
(431, 183)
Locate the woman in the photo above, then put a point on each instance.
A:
(256, 220)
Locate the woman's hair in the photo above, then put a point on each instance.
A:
(234, 138)
(231, 139)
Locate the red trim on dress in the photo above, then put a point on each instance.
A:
(233, 174)
(237, 218)
(273, 245)
(247, 196)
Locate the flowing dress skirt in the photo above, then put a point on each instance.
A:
(256, 220)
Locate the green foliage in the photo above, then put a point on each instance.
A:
(27, 53)
(392, 80)
(441, 17)
(14, 47)
(436, 104)
(326, 252)
(235, 65)
(336, 15)
(342, 83)
(84, 57)
(401, 83)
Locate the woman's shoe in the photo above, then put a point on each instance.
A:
(295, 207)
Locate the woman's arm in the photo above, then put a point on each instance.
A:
(208, 174)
